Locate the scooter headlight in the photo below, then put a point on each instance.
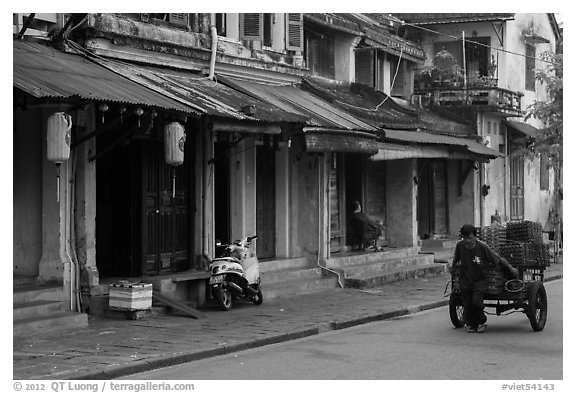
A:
(215, 269)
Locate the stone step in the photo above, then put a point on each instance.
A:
(60, 321)
(38, 292)
(341, 261)
(441, 256)
(294, 274)
(282, 264)
(374, 280)
(387, 265)
(298, 287)
(35, 308)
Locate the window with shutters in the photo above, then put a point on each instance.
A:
(544, 172)
(319, 54)
(530, 65)
(294, 32)
(221, 24)
(365, 67)
(267, 33)
(252, 27)
(178, 19)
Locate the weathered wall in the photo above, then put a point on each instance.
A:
(401, 203)
(305, 186)
(460, 206)
(28, 159)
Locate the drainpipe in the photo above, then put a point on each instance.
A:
(71, 244)
(214, 34)
(320, 228)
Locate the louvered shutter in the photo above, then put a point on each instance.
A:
(178, 19)
(294, 32)
(251, 27)
(365, 67)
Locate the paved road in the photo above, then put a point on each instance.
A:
(415, 347)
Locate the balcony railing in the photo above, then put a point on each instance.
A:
(481, 98)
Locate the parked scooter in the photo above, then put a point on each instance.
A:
(236, 273)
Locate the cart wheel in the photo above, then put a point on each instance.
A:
(537, 306)
(456, 310)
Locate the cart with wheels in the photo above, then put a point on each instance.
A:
(527, 295)
(520, 244)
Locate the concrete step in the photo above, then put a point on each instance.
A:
(21, 281)
(294, 274)
(441, 255)
(37, 292)
(377, 279)
(438, 244)
(341, 261)
(282, 264)
(35, 308)
(57, 321)
(298, 287)
(387, 265)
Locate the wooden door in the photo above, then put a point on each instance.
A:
(265, 202)
(432, 210)
(165, 223)
(516, 188)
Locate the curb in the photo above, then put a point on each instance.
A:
(172, 360)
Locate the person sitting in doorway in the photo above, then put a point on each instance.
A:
(364, 230)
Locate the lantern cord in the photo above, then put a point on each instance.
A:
(58, 182)
(173, 182)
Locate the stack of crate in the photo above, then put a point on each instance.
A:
(493, 236)
(524, 246)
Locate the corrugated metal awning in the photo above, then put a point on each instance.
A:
(322, 140)
(524, 128)
(206, 96)
(48, 73)
(293, 99)
(419, 138)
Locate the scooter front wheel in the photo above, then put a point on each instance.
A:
(223, 297)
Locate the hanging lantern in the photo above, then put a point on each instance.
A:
(103, 107)
(138, 112)
(174, 138)
(121, 110)
(58, 137)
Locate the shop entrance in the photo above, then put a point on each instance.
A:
(143, 225)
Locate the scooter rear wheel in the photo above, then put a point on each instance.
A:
(258, 298)
(223, 297)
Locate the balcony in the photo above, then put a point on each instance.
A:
(487, 98)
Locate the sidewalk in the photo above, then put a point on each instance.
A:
(111, 348)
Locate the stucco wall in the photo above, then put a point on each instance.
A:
(461, 207)
(27, 191)
(305, 215)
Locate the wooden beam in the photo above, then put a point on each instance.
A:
(177, 305)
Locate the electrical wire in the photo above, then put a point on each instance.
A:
(479, 44)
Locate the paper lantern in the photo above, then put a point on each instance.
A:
(59, 137)
(174, 138)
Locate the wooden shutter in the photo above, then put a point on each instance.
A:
(178, 19)
(530, 63)
(544, 173)
(251, 27)
(365, 67)
(294, 32)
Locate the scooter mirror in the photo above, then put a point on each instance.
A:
(218, 242)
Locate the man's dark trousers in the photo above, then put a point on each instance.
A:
(473, 302)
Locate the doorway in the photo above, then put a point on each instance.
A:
(222, 230)
(432, 211)
(143, 225)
